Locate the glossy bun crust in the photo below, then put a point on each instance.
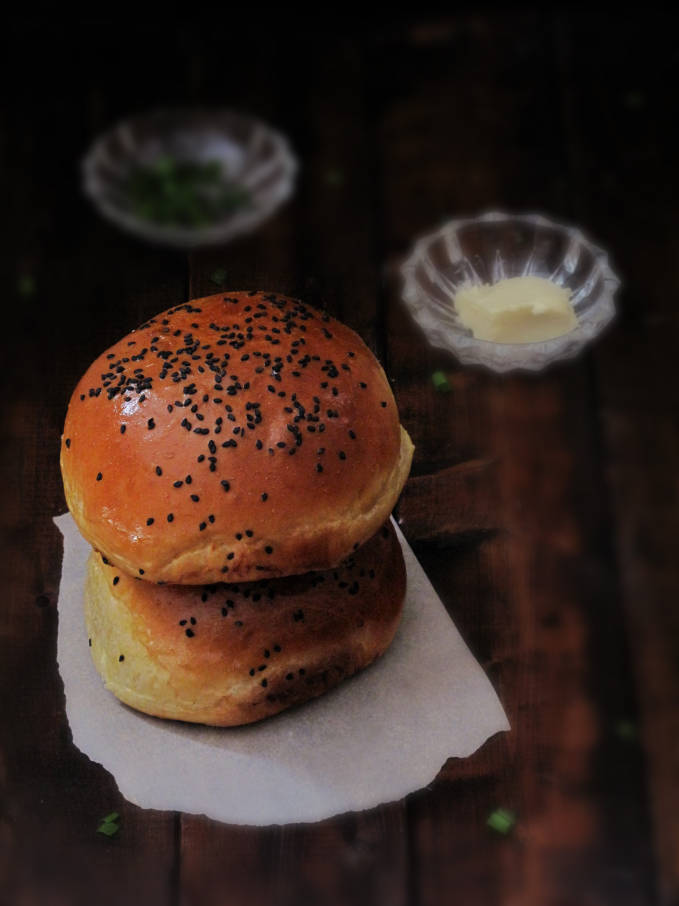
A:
(232, 438)
(233, 654)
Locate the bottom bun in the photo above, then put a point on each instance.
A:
(233, 654)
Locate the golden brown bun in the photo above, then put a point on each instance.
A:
(233, 654)
(237, 436)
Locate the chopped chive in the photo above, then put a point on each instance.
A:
(440, 382)
(109, 825)
(334, 176)
(501, 820)
(26, 285)
(218, 276)
(626, 729)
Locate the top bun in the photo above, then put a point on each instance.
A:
(235, 437)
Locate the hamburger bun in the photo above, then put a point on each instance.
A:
(233, 654)
(236, 437)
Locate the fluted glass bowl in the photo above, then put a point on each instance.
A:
(493, 247)
(255, 161)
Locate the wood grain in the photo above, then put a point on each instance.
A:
(544, 509)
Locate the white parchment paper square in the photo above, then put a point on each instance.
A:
(379, 736)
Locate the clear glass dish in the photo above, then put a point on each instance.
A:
(493, 247)
(255, 160)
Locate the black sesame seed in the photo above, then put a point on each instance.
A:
(170, 517)
(116, 579)
(123, 428)
(68, 441)
(121, 658)
(202, 526)
(159, 471)
(225, 484)
(195, 498)
(99, 476)
(190, 633)
(150, 520)
(319, 467)
(150, 424)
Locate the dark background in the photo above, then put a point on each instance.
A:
(543, 508)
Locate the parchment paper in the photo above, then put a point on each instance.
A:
(379, 736)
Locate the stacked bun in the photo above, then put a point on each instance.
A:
(233, 462)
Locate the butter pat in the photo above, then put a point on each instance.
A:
(516, 310)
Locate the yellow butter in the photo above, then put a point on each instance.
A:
(516, 310)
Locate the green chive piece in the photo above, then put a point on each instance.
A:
(26, 285)
(501, 820)
(109, 825)
(440, 382)
(334, 176)
(626, 729)
(218, 277)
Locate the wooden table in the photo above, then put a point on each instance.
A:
(544, 508)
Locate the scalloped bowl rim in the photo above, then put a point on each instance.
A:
(94, 185)
(506, 356)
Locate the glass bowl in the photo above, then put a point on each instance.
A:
(254, 163)
(490, 248)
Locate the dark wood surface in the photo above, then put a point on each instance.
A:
(545, 509)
